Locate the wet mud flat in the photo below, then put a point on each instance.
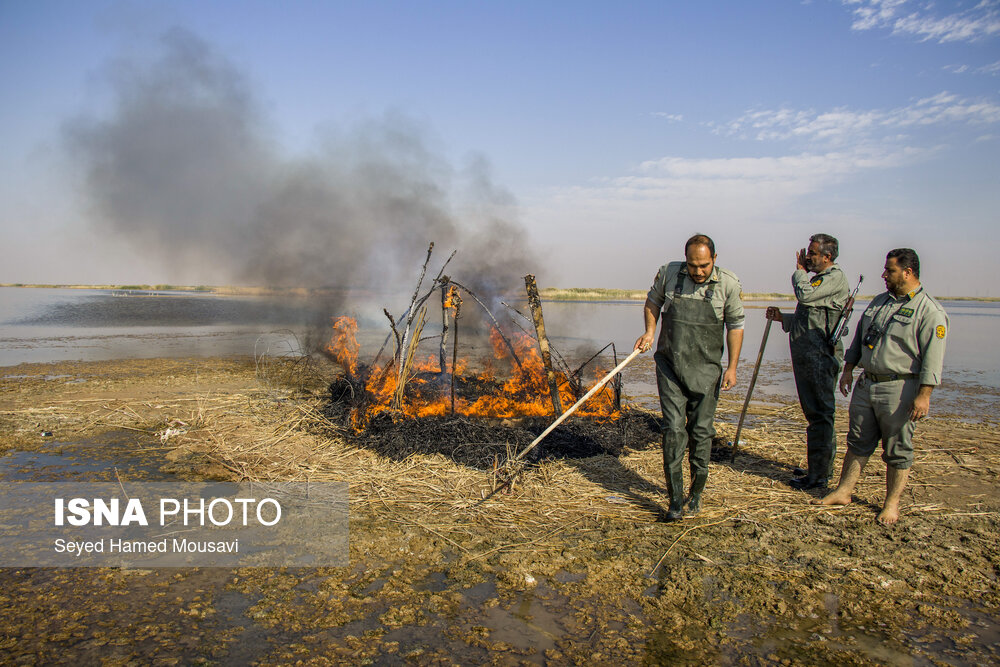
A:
(573, 566)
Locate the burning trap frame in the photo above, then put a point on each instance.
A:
(435, 402)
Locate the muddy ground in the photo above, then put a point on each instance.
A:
(574, 566)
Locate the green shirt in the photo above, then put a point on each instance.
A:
(914, 327)
(724, 284)
(826, 289)
(820, 301)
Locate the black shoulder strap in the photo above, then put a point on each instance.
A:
(680, 286)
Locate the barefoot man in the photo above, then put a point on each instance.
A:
(899, 343)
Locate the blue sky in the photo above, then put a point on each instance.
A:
(613, 130)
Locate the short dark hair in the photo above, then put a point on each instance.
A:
(700, 239)
(827, 244)
(906, 258)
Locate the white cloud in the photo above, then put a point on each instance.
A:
(992, 69)
(701, 191)
(841, 124)
(980, 21)
(750, 178)
(672, 117)
(745, 202)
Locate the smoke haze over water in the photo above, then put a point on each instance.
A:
(184, 167)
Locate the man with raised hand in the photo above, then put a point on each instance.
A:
(900, 343)
(815, 359)
(701, 308)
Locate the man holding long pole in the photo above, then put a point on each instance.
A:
(816, 360)
(701, 307)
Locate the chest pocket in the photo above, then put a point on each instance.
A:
(902, 320)
(899, 328)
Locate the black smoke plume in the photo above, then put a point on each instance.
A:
(184, 165)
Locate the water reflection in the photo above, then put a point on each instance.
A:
(971, 374)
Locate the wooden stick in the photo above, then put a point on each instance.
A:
(593, 390)
(753, 381)
(419, 302)
(535, 304)
(557, 358)
(597, 387)
(454, 349)
(412, 314)
(656, 567)
(617, 384)
(444, 328)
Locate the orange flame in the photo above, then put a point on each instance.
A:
(452, 300)
(344, 344)
(525, 393)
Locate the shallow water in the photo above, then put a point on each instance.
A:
(117, 454)
(41, 325)
(970, 383)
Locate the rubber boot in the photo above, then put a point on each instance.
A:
(676, 509)
(694, 495)
(674, 477)
(808, 482)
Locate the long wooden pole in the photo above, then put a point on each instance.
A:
(442, 349)
(593, 390)
(535, 303)
(597, 387)
(753, 381)
(454, 349)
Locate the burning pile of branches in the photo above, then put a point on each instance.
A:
(420, 401)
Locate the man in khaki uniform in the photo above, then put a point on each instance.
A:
(900, 344)
(701, 305)
(815, 360)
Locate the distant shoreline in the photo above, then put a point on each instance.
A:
(603, 294)
(547, 293)
(221, 290)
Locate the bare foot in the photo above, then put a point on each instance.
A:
(837, 497)
(888, 515)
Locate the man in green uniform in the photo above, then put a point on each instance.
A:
(701, 305)
(899, 343)
(815, 360)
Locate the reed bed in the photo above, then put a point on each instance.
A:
(558, 498)
(273, 427)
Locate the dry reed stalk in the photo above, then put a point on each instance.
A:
(434, 494)
(407, 364)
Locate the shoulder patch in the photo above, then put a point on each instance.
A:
(817, 282)
(940, 331)
(906, 312)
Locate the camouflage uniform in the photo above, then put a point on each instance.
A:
(815, 362)
(900, 343)
(688, 367)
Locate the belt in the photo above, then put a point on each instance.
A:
(875, 377)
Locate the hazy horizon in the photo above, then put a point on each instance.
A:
(241, 143)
